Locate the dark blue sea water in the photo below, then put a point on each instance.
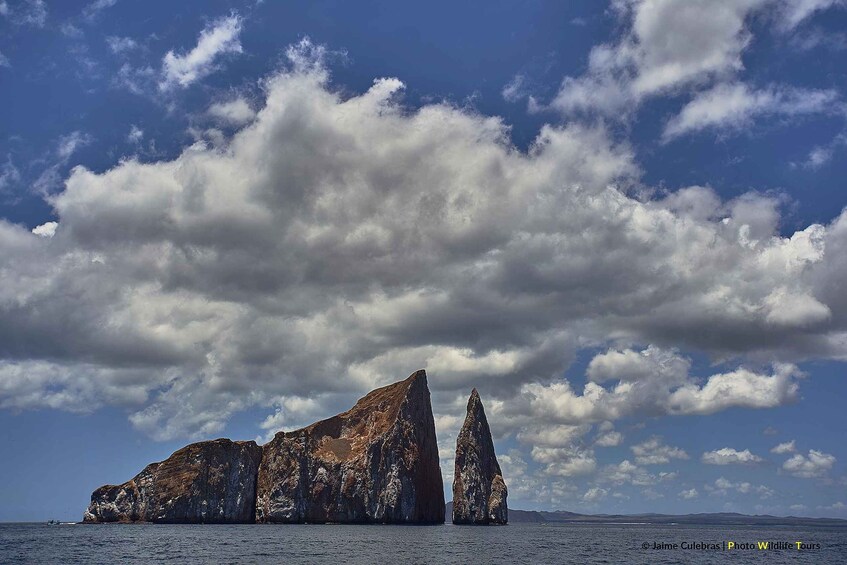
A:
(516, 543)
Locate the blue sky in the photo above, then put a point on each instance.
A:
(622, 222)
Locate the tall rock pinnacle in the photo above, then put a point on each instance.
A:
(479, 493)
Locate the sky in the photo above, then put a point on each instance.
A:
(622, 222)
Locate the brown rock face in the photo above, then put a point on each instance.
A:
(479, 493)
(207, 482)
(375, 463)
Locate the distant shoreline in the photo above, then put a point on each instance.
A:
(517, 516)
(706, 519)
(700, 519)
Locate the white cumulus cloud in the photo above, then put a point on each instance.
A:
(730, 456)
(654, 452)
(815, 464)
(689, 494)
(236, 112)
(607, 436)
(782, 448)
(657, 383)
(47, 229)
(723, 486)
(595, 494)
(667, 44)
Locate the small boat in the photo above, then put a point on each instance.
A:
(53, 523)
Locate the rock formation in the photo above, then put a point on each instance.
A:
(375, 463)
(208, 482)
(479, 493)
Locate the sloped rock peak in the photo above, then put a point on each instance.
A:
(375, 463)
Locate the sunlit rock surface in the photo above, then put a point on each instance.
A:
(375, 463)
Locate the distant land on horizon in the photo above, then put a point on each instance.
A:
(706, 518)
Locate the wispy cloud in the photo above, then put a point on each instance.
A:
(66, 146)
(92, 10)
(795, 12)
(822, 154)
(515, 89)
(118, 45)
(219, 38)
(135, 135)
(9, 175)
(27, 13)
(69, 29)
(734, 105)
(138, 80)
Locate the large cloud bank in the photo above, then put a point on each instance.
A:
(337, 243)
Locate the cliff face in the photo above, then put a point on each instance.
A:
(479, 493)
(207, 482)
(375, 463)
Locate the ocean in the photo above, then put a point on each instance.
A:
(516, 543)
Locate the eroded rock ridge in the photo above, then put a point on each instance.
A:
(208, 482)
(375, 463)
